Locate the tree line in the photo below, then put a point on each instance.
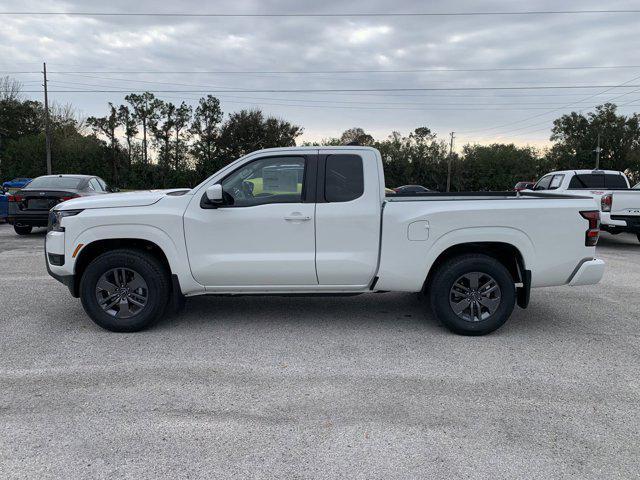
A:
(148, 142)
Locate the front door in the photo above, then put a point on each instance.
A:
(263, 234)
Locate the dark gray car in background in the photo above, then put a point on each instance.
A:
(29, 207)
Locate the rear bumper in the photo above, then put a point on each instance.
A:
(38, 219)
(589, 272)
(622, 223)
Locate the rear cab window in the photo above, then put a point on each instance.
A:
(615, 181)
(344, 178)
(598, 180)
(586, 181)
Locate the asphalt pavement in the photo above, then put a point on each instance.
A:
(354, 388)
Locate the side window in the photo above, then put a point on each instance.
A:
(586, 180)
(615, 181)
(344, 178)
(266, 180)
(94, 185)
(543, 183)
(556, 181)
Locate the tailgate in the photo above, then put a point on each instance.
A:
(626, 203)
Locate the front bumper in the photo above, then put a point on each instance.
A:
(588, 272)
(54, 247)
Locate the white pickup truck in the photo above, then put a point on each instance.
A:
(305, 221)
(619, 204)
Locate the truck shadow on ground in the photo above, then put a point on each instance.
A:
(622, 241)
(370, 311)
(366, 309)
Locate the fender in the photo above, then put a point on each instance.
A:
(509, 235)
(176, 255)
(406, 268)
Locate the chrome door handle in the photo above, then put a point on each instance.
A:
(297, 218)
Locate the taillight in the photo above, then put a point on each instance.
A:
(15, 198)
(593, 234)
(605, 202)
(64, 199)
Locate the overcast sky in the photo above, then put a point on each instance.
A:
(162, 44)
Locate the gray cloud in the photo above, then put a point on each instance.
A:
(267, 44)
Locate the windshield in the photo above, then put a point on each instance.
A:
(637, 187)
(55, 183)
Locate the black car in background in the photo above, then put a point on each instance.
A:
(29, 207)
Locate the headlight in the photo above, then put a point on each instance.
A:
(56, 216)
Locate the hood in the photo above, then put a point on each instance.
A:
(139, 198)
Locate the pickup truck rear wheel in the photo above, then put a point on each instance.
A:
(125, 290)
(472, 294)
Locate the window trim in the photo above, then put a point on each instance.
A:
(306, 195)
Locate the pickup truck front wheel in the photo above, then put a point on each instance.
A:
(125, 290)
(472, 294)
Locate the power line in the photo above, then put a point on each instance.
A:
(343, 104)
(351, 102)
(452, 95)
(313, 72)
(334, 90)
(315, 15)
(607, 89)
(546, 122)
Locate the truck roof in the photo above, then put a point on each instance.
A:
(312, 148)
(584, 172)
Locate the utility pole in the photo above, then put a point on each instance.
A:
(598, 150)
(47, 129)
(449, 163)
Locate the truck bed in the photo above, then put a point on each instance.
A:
(441, 196)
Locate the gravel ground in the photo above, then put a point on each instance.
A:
(357, 387)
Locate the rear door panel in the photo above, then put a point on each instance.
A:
(348, 232)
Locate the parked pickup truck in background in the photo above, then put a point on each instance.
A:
(619, 204)
(305, 221)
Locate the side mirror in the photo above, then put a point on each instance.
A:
(214, 194)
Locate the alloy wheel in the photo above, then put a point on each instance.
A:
(475, 296)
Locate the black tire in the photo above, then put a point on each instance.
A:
(23, 229)
(446, 276)
(152, 272)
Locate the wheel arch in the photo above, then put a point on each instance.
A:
(507, 254)
(96, 248)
